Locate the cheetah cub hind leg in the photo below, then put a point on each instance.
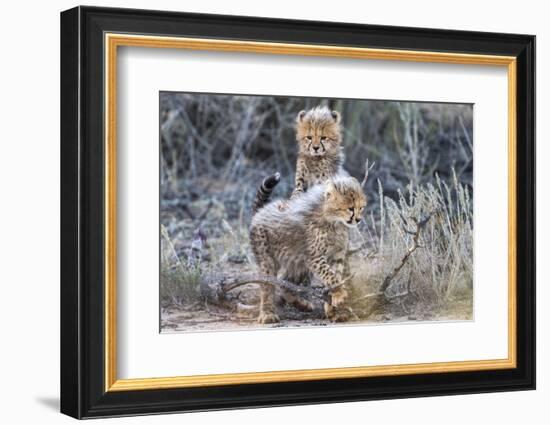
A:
(292, 299)
(266, 266)
(267, 312)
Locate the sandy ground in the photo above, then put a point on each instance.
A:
(226, 253)
(198, 317)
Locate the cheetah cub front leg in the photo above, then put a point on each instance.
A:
(335, 307)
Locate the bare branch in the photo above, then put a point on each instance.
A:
(367, 169)
(231, 283)
(420, 224)
(177, 204)
(380, 297)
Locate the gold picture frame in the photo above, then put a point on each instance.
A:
(91, 40)
(114, 41)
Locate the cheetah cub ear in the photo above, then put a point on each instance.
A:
(330, 190)
(300, 116)
(335, 116)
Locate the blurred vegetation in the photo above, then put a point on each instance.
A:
(216, 149)
(224, 143)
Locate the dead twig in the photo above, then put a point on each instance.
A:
(380, 297)
(177, 204)
(206, 210)
(231, 283)
(367, 169)
(419, 224)
(219, 291)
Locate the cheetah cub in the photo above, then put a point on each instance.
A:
(320, 154)
(309, 237)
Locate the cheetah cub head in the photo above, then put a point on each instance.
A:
(318, 132)
(344, 201)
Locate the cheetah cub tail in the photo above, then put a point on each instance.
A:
(264, 192)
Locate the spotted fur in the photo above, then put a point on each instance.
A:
(320, 154)
(264, 191)
(308, 237)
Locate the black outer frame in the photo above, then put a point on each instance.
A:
(82, 219)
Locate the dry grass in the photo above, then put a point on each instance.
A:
(179, 279)
(216, 149)
(437, 277)
(442, 267)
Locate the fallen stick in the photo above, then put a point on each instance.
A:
(219, 289)
(232, 283)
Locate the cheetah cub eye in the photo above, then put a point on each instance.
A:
(354, 215)
(318, 132)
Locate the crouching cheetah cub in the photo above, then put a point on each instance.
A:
(320, 154)
(309, 237)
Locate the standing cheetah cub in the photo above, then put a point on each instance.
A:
(309, 237)
(320, 154)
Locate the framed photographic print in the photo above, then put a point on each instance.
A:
(261, 212)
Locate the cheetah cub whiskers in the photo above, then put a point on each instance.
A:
(308, 237)
(320, 153)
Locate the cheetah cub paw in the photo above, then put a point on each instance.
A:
(335, 309)
(337, 314)
(266, 317)
(338, 296)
